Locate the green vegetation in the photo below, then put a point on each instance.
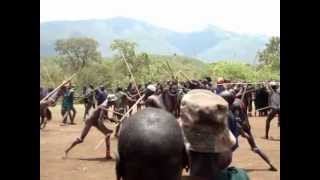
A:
(112, 72)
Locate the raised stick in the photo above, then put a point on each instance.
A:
(263, 108)
(62, 84)
(134, 81)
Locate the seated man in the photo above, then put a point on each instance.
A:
(151, 147)
(209, 142)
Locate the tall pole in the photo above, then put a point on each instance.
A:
(134, 81)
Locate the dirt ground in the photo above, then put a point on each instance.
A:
(86, 163)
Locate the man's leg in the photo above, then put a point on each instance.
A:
(279, 118)
(271, 115)
(74, 112)
(245, 132)
(87, 109)
(250, 108)
(64, 114)
(108, 156)
(79, 140)
(107, 132)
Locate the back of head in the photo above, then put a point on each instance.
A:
(228, 96)
(150, 147)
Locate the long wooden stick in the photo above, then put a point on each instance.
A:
(170, 69)
(134, 81)
(62, 84)
(184, 75)
(135, 104)
(112, 111)
(263, 108)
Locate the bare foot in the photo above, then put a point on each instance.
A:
(65, 156)
(109, 157)
(272, 168)
(271, 138)
(264, 137)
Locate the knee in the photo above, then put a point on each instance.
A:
(255, 149)
(79, 140)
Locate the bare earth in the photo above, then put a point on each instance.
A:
(85, 163)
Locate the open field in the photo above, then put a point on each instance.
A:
(84, 163)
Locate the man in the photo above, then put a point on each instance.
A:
(120, 105)
(151, 147)
(50, 101)
(220, 86)
(67, 106)
(239, 111)
(95, 120)
(232, 122)
(261, 100)
(168, 100)
(45, 113)
(274, 95)
(207, 137)
(88, 100)
(100, 95)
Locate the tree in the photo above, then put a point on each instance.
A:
(78, 51)
(270, 56)
(137, 63)
(127, 48)
(232, 70)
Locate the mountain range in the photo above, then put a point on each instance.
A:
(210, 44)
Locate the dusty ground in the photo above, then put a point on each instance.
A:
(85, 163)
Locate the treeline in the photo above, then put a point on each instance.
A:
(84, 54)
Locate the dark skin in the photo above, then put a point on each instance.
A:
(245, 131)
(208, 165)
(126, 100)
(148, 147)
(88, 104)
(94, 120)
(168, 101)
(272, 114)
(45, 113)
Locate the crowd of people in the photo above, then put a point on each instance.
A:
(193, 124)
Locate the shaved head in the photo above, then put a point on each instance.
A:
(150, 146)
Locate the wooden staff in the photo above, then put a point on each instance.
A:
(263, 108)
(112, 111)
(135, 104)
(246, 83)
(120, 121)
(52, 92)
(165, 69)
(134, 81)
(170, 69)
(184, 75)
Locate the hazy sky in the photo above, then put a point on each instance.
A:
(243, 16)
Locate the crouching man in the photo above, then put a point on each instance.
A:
(95, 120)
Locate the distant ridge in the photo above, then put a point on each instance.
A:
(210, 44)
